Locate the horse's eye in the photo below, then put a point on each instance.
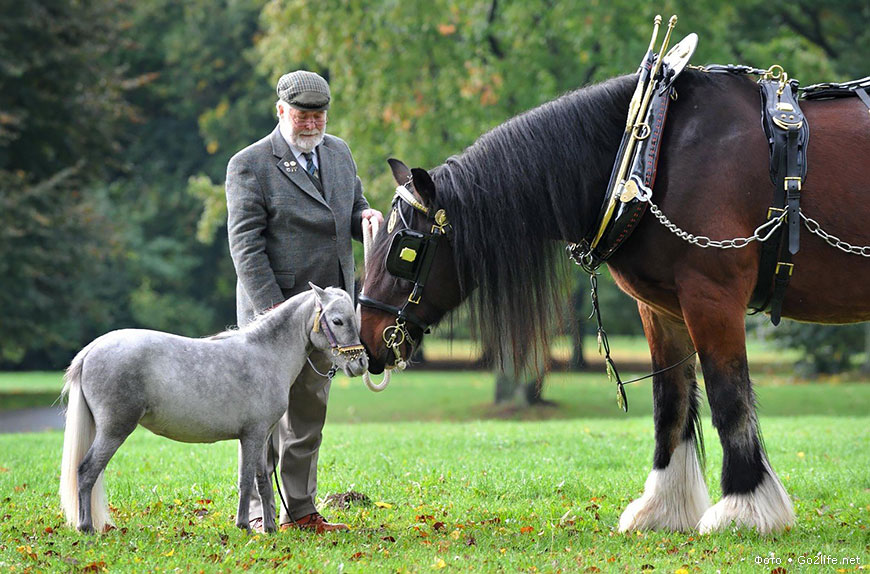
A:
(338, 322)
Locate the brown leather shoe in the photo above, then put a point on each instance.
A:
(257, 525)
(314, 522)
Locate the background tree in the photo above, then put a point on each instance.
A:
(61, 107)
(117, 120)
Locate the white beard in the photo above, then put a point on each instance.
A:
(305, 141)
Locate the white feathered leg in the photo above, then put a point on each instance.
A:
(767, 508)
(674, 498)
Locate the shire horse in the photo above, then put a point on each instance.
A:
(540, 178)
(234, 385)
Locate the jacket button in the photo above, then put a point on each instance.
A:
(334, 238)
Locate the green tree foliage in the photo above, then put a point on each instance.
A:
(60, 107)
(194, 111)
(117, 120)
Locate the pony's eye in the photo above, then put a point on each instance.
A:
(338, 322)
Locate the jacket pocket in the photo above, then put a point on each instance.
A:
(285, 279)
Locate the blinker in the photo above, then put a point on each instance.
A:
(403, 258)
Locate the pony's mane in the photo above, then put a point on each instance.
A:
(536, 178)
(261, 324)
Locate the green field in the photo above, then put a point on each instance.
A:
(454, 484)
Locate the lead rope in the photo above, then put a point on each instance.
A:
(612, 372)
(328, 374)
(272, 453)
(369, 230)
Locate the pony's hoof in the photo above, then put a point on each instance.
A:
(86, 529)
(244, 526)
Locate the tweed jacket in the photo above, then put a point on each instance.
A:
(283, 232)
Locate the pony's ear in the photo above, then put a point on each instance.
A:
(401, 173)
(319, 293)
(424, 185)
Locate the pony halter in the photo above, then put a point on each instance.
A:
(349, 352)
(410, 257)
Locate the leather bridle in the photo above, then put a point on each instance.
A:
(349, 352)
(410, 257)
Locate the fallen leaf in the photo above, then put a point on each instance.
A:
(170, 553)
(3, 469)
(438, 526)
(204, 501)
(94, 567)
(526, 529)
(439, 564)
(446, 29)
(383, 504)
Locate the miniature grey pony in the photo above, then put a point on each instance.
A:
(234, 385)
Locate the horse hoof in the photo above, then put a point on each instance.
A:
(674, 498)
(767, 509)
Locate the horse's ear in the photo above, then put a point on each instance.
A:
(424, 185)
(401, 173)
(319, 293)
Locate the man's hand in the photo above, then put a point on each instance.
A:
(373, 214)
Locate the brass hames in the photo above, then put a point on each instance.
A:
(635, 126)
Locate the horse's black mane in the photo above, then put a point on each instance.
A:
(536, 178)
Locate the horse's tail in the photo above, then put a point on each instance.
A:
(78, 436)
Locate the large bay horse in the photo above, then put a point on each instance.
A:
(523, 189)
(234, 385)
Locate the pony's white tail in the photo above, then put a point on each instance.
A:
(78, 436)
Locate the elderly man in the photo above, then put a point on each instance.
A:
(294, 201)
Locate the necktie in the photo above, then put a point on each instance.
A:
(310, 167)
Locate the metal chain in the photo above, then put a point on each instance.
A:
(813, 226)
(762, 232)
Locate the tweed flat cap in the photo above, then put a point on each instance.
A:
(304, 90)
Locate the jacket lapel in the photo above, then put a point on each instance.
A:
(327, 164)
(291, 168)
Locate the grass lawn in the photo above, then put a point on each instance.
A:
(485, 496)
(454, 485)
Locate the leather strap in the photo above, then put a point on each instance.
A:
(788, 134)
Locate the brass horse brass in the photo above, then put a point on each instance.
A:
(407, 254)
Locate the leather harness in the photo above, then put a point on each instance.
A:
(787, 132)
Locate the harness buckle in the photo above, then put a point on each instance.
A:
(788, 179)
(780, 264)
(770, 211)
